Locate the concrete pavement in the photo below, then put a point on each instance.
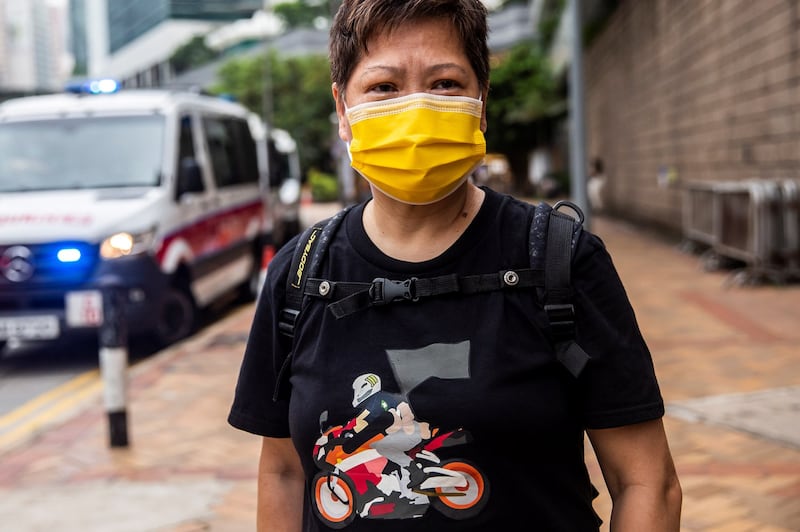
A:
(726, 356)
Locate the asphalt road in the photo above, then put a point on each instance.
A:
(41, 382)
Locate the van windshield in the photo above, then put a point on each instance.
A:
(86, 152)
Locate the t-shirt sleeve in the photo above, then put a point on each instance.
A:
(618, 386)
(253, 408)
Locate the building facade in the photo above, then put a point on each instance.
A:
(132, 40)
(33, 45)
(679, 91)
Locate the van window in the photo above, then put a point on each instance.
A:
(232, 151)
(75, 153)
(186, 140)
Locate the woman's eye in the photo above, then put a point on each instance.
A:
(383, 88)
(446, 84)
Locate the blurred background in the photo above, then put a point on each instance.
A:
(675, 91)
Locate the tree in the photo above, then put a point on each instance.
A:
(523, 93)
(302, 13)
(192, 54)
(301, 100)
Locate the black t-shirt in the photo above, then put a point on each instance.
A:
(480, 366)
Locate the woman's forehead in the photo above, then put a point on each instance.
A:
(431, 37)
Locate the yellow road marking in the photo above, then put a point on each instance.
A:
(47, 407)
(47, 397)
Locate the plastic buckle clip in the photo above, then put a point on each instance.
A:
(287, 320)
(383, 291)
(562, 319)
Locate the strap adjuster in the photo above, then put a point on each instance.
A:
(384, 291)
(562, 319)
(287, 321)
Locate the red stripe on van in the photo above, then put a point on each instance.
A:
(215, 232)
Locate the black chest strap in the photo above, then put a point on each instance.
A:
(348, 298)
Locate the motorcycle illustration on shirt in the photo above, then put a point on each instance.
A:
(382, 464)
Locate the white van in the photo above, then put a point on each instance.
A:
(279, 162)
(157, 190)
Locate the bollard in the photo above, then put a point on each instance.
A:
(114, 359)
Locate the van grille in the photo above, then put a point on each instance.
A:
(25, 267)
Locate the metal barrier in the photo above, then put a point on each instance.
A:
(698, 222)
(790, 251)
(755, 222)
(747, 228)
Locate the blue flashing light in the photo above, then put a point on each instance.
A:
(104, 86)
(69, 255)
(94, 86)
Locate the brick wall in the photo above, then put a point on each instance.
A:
(709, 88)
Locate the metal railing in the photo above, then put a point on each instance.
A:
(754, 222)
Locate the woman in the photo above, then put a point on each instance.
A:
(447, 413)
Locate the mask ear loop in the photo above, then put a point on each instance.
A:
(347, 144)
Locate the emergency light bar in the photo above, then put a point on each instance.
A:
(94, 86)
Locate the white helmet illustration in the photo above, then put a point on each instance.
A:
(365, 386)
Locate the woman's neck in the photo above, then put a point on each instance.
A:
(416, 233)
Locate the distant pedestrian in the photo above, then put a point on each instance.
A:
(596, 185)
(448, 413)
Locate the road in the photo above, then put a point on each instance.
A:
(28, 371)
(40, 383)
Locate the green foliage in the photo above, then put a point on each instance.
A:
(192, 54)
(523, 90)
(523, 94)
(301, 99)
(302, 13)
(324, 187)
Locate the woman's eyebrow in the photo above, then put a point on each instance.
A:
(446, 66)
(381, 68)
(393, 70)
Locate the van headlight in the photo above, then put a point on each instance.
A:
(125, 244)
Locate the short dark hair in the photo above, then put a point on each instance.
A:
(357, 21)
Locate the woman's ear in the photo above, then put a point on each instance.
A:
(484, 123)
(344, 125)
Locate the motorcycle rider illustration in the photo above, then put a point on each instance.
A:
(387, 414)
(381, 463)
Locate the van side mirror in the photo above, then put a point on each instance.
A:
(190, 178)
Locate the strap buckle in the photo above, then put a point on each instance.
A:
(384, 291)
(287, 321)
(562, 319)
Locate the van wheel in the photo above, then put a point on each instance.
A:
(177, 318)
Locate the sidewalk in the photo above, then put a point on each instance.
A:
(727, 359)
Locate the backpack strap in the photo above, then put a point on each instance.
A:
(311, 246)
(306, 260)
(562, 235)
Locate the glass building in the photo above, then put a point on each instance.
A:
(77, 24)
(130, 19)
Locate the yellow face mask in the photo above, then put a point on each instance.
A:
(418, 148)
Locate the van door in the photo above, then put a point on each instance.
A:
(185, 228)
(237, 217)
